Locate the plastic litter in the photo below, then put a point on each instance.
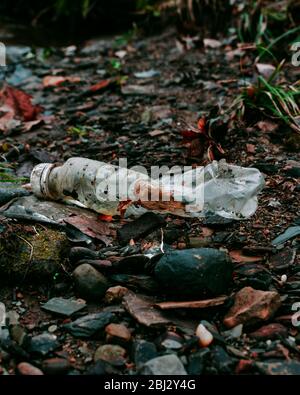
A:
(219, 188)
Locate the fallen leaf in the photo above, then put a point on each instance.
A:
(100, 86)
(90, 227)
(16, 107)
(56, 80)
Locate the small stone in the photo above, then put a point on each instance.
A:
(79, 253)
(52, 328)
(89, 325)
(216, 221)
(251, 307)
(117, 333)
(195, 272)
(115, 294)
(204, 336)
(89, 283)
(270, 331)
(26, 369)
(43, 344)
(111, 353)
(164, 365)
(56, 366)
(65, 307)
(221, 360)
(12, 317)
(143, 352)
(283, 259)
(197, 361)
(18, 334)
(234, 333)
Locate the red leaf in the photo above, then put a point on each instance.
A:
(202, 125)
(19, 103)
(16, 106)
(105, 218)
(56, 80)
(99, 86)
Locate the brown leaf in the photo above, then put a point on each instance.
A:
(90, 227)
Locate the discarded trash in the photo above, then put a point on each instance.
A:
(227, 190)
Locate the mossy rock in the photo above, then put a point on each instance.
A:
(27, 255)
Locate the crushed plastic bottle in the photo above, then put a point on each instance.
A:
(219, 188)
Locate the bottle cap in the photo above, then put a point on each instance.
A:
(39, 180)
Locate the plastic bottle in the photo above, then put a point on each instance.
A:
(220, 188)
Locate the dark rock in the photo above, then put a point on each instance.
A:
(283, 259)
(62, 306)
(216, 221)
(140, 227)
(56, 366)
(43, 344)
(143, 352)
(293, 172)
(101, 368)
(89, 283)
(253, 275)
(99, 264)
(136, 282)
(279, 368)
(165, 365)
(221, 360)
(266, 168)
(195, 272)
(197, 361)
(172, 235)
(111, 353)
(78, 253)
(89, 325)
(132, 264)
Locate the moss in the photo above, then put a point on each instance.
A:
(36, 259)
